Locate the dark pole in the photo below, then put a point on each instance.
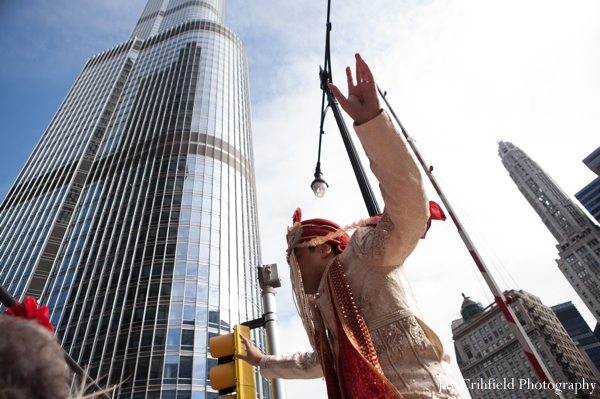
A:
(7, 299)
(359, 172)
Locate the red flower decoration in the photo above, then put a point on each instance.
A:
(30, 310)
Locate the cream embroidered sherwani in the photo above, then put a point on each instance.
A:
(410, 353)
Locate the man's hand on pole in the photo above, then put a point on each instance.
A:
(362, 103)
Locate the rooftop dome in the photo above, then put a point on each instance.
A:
(469, 308)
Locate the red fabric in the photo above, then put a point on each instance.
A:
(312, 228)
(297, 215)
(327, 364)
(357, 378)
(358, 373)
(30, 310)
(435, 213)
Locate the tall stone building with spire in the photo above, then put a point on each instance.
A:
(578, 237)
(135, 217)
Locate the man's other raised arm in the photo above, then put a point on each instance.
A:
(392, 163)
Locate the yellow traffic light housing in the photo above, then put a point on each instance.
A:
(231, 374)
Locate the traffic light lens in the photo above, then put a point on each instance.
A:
(222, 376)
(222, 346)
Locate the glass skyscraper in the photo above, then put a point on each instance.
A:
(135, 217)
(579, 331)
(589, 196)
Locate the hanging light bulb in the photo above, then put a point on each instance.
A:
(319, 185)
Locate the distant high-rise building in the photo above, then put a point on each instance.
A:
(135, 217)
(577, 235)
(592, 161)
(494, 365)
(579, 331)
(589, 196)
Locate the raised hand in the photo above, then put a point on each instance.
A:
(253, 355)
(362, 103)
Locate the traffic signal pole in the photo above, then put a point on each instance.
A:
(268, 279)
(236, 375)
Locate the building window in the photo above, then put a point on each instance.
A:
(571, 258)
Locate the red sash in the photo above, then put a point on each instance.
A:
(358, 373)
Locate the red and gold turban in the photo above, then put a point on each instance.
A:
(310, 233)
(319, 231)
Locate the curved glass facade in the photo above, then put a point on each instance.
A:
(135, 218)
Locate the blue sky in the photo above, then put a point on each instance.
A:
(461, 75)
(44, 46)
